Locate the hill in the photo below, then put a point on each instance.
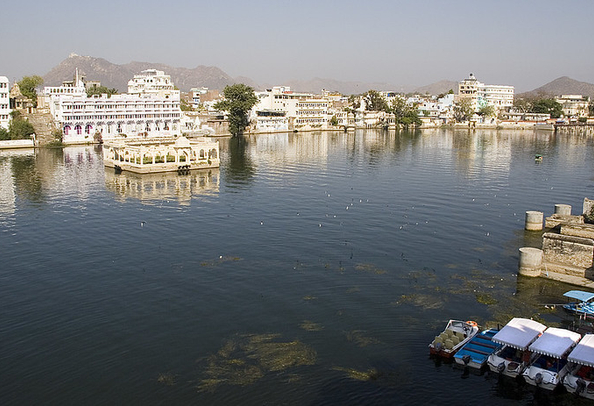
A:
(560, 86)
(436, 88)
(117, 76)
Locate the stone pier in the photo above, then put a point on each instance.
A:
(567, 252)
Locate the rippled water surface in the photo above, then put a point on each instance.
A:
(310, 269)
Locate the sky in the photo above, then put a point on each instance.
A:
(523, 43)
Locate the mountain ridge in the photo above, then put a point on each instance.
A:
(117, 76)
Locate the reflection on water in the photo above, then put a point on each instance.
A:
(315, 269)
(163, 186)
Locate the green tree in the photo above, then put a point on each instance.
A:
(28, 86)
(239, 99)
(403, 113)
(99, 90)
(487, 111)
(4, 134)
(374, 101)
(547, 106)
(19, 128)
(463, 109)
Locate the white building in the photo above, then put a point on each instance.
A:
(4, 102)
(574, 105)
(482, 95)
(74, 87)
(280, 108)
(153, 82)
(153, 110)
(84, 118)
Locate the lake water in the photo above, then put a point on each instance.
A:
(310, 269)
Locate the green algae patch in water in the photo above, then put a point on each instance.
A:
(308, 325)
(370, 268)
(167, 379)
(246, 359)
(369, 375)
(360, 339)
(220, 260)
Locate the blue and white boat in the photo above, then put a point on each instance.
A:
(549, 365)
(584, 304)
(515, 336)
(475, 352)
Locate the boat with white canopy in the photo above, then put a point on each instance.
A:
(580, 378)
(548, 365)
(515, 337)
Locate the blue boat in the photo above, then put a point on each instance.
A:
(476, 351)
(584, 306)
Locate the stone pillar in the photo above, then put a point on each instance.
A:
(530, 261)
(534, 220)
(563, 209)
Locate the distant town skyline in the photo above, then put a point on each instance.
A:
(523, 43)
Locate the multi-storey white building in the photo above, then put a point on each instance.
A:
(151, 111)
(4, 102)
(280, 108)
(153, 82)
(83, 118)
(482, 95)
(574, 105)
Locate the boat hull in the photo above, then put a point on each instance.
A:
(477, 350)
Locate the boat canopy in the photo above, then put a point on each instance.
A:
(555, 342)
(583, 353)
(519, 333)
(579, 295)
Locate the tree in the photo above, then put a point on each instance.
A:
(463, 109)
(99, 90)
(547, 106)
(19, 128)
(28, 85)
(239, 100)
(374, 101)
(487, 111)
(4, 134)
(403, 113)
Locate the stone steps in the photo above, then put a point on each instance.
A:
(43, 123)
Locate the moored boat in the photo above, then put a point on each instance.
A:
(584, 304)
(548, 365)
(476, 351)
(453, 337)
(580, 377)
(515, 337)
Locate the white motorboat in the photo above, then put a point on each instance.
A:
(580, 378)
(453, 337)
(549, 365)
(515, 337)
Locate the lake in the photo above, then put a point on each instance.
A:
(309, 269)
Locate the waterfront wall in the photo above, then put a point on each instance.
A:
(567, 252)
(11, 144)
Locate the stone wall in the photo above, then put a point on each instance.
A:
(568, 250)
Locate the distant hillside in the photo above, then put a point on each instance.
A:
(112, 75)
(560, 86)
(347, 88)
(437, 88)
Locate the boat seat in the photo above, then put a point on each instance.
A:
(438, 339)
(456, 340)
(449, 344)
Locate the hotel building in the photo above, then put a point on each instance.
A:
(4, 102)
(151, 110)
(485, 95)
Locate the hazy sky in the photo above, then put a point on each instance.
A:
(525, 43)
